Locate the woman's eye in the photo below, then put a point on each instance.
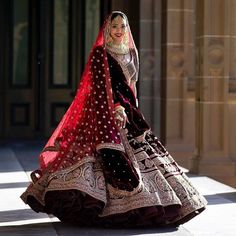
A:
(114, 26)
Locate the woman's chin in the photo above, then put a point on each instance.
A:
(118, 41)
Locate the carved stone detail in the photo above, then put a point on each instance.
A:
(176, 62)
(216, 59)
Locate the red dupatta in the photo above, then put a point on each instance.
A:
(88, 125)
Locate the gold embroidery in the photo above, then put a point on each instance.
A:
(114, 146)
(141, 137)
(156, 186)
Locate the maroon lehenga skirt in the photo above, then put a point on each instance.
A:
(142, 187)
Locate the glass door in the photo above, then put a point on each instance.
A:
(72, 27)
(45, 49)
(57, 78)
(19, 101)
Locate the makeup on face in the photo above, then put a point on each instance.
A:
(118, 29)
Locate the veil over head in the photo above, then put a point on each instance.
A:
(88, 125)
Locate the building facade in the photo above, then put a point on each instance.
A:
(187, 85)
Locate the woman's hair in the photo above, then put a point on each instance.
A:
(115, 14)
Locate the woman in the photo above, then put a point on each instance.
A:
(103, 165)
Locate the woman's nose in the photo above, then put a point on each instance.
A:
(118, 30)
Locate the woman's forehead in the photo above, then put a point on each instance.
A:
(118, 20)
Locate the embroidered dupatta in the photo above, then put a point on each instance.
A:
(88, 125)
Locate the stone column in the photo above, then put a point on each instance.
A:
(216, 54)
(149, 89)
(179, 71)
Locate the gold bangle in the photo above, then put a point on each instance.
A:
(119, 109)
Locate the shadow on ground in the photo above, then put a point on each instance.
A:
(68, 230)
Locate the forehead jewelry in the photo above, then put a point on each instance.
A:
(117, 20)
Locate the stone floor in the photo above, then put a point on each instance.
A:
(18, 159)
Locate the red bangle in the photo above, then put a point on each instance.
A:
(117, 104)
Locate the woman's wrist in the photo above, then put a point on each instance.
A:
(118, 108)
(120, 116)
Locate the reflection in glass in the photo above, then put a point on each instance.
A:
(60, 42)
(20, 42)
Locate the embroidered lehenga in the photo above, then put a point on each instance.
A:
(92, 173)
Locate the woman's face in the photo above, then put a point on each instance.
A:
(118, 29)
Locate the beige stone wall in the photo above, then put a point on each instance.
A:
(216, 100)
(187, 86)
(149, 89)
(180, 79)
(231, 127)
(200, 83)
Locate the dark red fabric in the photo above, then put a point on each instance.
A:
(89, 121)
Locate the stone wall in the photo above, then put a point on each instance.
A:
(179, 78)
(149, 85)
(215, 94)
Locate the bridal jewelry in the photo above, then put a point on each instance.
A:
(117, 49)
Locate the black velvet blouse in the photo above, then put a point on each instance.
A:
(123, 94)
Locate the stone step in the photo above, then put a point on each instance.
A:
(218, 169)
(229, 180)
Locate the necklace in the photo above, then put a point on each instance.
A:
(126, 63)
(117, 49)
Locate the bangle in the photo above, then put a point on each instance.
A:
(119, 108)
(118, 117)
(117, 104)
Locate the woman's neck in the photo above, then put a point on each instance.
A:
(120, 48)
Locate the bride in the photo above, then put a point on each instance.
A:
(103, 165)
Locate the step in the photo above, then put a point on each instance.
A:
(218, 169)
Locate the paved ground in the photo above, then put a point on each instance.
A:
(18, 159)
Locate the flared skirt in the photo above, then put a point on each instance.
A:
(141, 187)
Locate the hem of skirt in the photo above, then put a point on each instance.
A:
(179, 219)
(185, 218)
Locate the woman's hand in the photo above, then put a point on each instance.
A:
(120, 117)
